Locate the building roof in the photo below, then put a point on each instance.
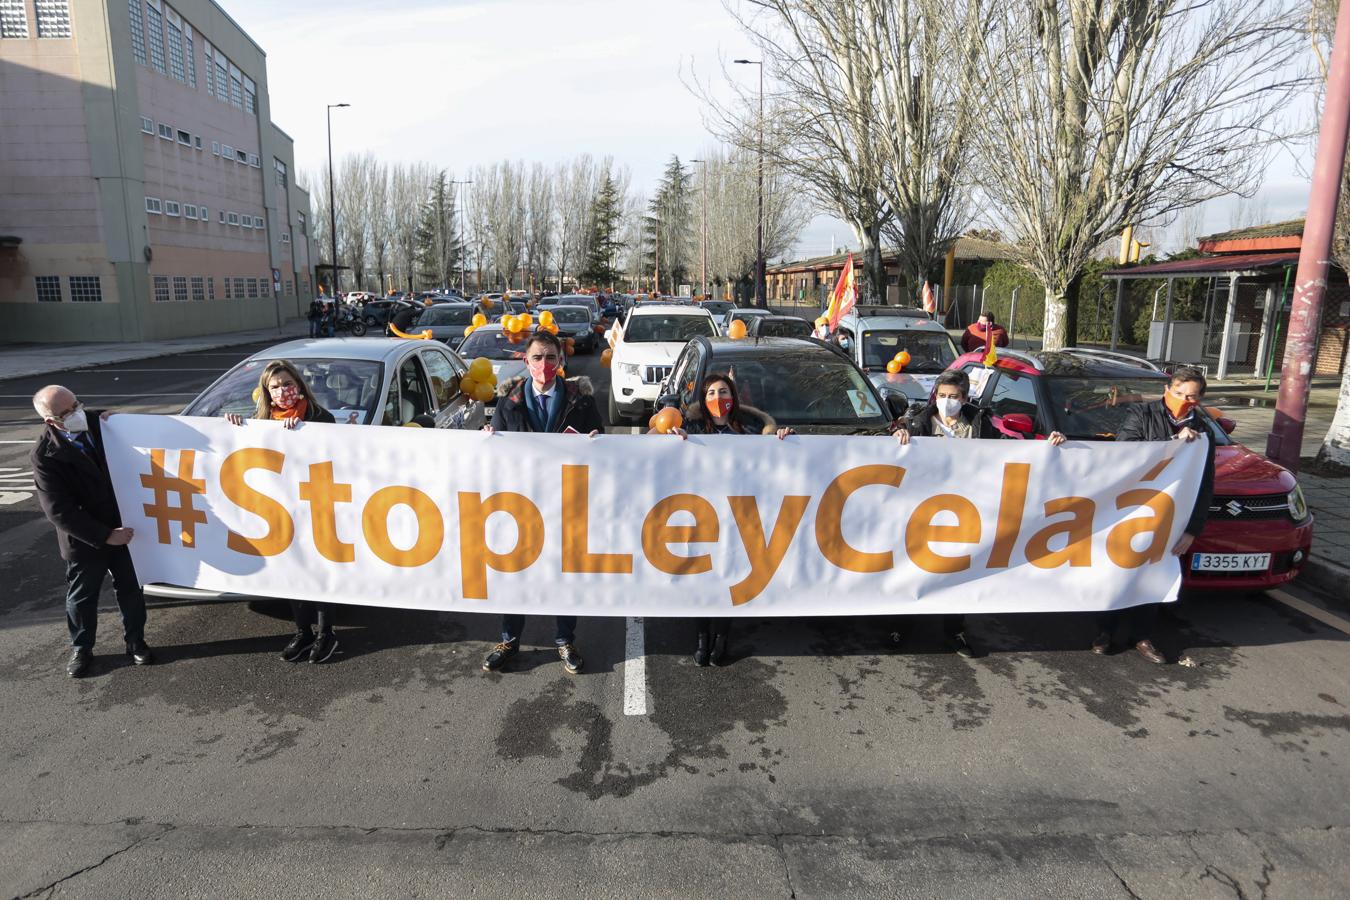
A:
(967, 248)
(1269, 237)
(1209, 266)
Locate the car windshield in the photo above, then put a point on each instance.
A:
(646, 329)
(745, 315)
(929, 351)
(816, 388)
(446, 315)
(717, 307)
(783, 328)
(571, 315)
(342, 386)
(492, 344)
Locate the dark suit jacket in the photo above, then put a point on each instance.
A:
(75, 492)
(1151, 422)
(578, 408)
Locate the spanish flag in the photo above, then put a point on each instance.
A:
(843, 298)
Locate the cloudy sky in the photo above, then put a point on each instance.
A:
(458, 83)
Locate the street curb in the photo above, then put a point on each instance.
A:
(1331, 579)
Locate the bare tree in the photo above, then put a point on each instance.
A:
(725, 188)
(380, 224)
(573, 187)
(353, 189)
(1106, 112)
(538, 224)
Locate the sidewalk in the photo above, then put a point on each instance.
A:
(26, 360)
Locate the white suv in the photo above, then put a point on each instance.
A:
(645, 346)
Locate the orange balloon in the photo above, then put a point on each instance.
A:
(666, 420)
(562, 373)
(893, 366)
(606, 358)
(467, 384)
(479, 320)
(903, 358)
(468, 330)
(546, 318)
(483, 392)
(569, 346)
(737, 330)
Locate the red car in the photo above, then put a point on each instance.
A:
(1259, 530)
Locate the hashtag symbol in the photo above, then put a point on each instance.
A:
(185, 486)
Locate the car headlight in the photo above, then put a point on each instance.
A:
(1298, 507)
(627, 368)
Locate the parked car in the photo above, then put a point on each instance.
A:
(718, 308)
(645, 345)
(779, 326)
(805, 384)
(379, 312)
(875, 339)
(508, 357)
(575, 322)
(445, 321)
(1259, 531)
(739, 314)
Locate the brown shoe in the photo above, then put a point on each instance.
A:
(1150, 652)
(1102, 645)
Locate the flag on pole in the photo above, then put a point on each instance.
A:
(990, 348)
(844, 296)
(929, 304)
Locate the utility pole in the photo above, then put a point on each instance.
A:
(332, 198)
(1285, 442)
(460, 212)
(759, 231)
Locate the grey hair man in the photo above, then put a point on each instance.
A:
(76, 494)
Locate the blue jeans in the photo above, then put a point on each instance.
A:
(85, 579)
(565, 627)
(313, 328)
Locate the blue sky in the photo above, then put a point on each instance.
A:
(462, 83)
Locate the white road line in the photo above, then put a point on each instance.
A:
(135, 394)
(1310, 610)
(105, 371)
(635, 669)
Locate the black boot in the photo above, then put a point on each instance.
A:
(701, 651)
(719, 649)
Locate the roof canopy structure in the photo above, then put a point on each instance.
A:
(1246, 265)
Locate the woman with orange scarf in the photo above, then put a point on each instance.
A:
(283, 396)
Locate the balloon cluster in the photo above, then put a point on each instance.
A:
(479, 320)
(666, 421)
(481, 382)
(898, 362)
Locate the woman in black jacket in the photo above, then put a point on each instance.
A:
(283, 396)
(721, 412)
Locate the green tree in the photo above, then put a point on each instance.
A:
(669, 226)
(602, 241)
(439, 249)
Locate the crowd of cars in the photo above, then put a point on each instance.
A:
(661, 348)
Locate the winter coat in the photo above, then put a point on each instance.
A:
(752, 420)
(75, 492)
(974, 337)
(1152, 422)
(579, 409)
(921, 424)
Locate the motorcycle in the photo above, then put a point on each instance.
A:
(349, 320)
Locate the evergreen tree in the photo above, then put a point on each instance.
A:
(602, 242)
(667, 227)
(439, 249)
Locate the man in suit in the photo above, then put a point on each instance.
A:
(71, 475)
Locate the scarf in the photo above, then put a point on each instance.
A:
(295, 412)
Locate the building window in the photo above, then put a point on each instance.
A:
(222, 79)
(300, 221)
(204, 214)
(152, 205)
(211, 287)
(13, 19)
(227, 150)
(236, 88)
(189, 211)
(281, 172)
(53, 18)
(155, 34)
(191, 56)
(185, 138)
(250, 96)
(259, 223)
(86, 289)
(137, 30)
(222, 217)
(285, 237)
(253, 289)
(215, 148)
(166, 131)
(171, 208)
(290, 287)
(147, 125)
(229, 294)
(209, 67)
(197, 141)
(48, 288)
(175, 40)
(180, 292)
(232, 218)
(239, 289)
(198, 288)
(254, 161)
(241, 156)
(161, 288)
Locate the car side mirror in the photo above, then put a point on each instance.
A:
(1226, 424)
(424, 421)
(667, 400)
(1020, 423)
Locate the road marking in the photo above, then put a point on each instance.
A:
(105, 371)
(29, 441)
(136, 394)
(1310, 610)
(634, 669)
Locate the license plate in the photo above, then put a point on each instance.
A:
(1230, 562)
(489, 410)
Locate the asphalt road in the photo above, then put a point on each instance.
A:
(823, 761)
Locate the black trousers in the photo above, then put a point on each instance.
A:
(1131, 624)
(306, 613)
(84, 580)
(712, 627)
(952, 624)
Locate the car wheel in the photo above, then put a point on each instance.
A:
(358, 329)
(616, 418)
(371, 322)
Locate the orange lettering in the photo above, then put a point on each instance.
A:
(1120, 540)
(830, 517)
(1010, 505)
(280, 528)
(765, 556)
(323, 495)
(576, 502)
(430, 527)
(474, 555)
(1077, 550)
(657, 534)
(921, 532)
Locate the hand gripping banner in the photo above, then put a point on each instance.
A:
(650, 525)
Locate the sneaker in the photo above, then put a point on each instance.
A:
(962, 646)
(298, 646)
(496, 660)
(572, 660)
(325, 645)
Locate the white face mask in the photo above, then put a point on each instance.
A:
(76, 422)
(948, 407)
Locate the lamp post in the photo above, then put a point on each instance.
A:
(461, 222)
(703, 178)
(332, 200)
(759, 232)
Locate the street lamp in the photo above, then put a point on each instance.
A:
(332, 200)
(703, 178)
(759, 234)
(461, 222)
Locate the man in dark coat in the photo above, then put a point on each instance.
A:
(543, 403)
(1171, 418)
(76, 494)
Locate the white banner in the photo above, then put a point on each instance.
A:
(650, 525)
